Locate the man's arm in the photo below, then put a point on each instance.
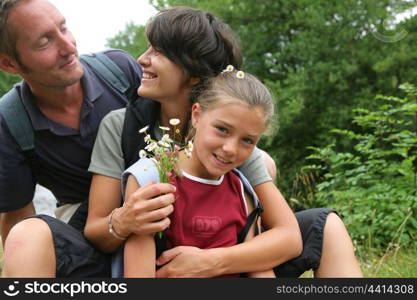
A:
(9, 219)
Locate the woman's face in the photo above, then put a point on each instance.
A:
(162, 79)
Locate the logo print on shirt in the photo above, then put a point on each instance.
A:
(206, 225)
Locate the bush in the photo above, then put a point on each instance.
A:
(369, 175)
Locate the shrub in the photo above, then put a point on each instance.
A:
(369, 175)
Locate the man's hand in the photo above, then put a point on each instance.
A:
(186, 261)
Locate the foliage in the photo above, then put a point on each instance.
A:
(373, 184)
(7, 81)
(132, 39)
(320, 59)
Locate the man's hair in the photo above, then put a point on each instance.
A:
(197, 41)
(8, 38)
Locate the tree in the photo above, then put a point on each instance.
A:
(132, 39)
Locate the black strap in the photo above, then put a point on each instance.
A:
(252, 218)
(139, 113)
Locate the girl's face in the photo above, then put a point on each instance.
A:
(162, 79)
(225, 137)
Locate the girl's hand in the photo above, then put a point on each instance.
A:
(146, 209)
(186, 261)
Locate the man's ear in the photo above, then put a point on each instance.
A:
(195, 113)
(8, 65)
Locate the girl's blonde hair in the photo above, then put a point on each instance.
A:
(238, 87)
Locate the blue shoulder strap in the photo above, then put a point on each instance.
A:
(17, 119)
(253, 216)
(107, 70)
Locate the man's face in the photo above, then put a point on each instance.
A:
(47, 50)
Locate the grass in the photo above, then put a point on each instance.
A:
(399, 263)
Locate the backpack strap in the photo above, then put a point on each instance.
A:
(108, 70)
(255, 214)
(140, 113)
(20, 126)
(17, 119)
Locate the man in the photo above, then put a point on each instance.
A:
(65, 101)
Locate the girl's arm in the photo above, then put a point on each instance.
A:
(139, 251)
(278, 244)
(251, 234)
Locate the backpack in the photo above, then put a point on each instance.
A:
(17, 119)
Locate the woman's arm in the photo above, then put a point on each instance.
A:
(107, 165)
(280, 243)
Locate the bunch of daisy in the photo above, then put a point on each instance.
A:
(165, 152)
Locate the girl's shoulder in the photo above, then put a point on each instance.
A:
(144, 171)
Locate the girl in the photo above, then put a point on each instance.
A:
(210, 208)
(187, 47)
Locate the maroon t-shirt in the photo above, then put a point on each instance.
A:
(207, 214)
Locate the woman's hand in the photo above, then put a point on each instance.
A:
(146, 209)
(186, 261)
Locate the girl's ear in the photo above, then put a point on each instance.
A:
(195, 113)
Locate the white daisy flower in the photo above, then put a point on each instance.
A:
(229, 68)
(166, 139)
(142, 153)
(144, 129)
(240, 75)
(147, 138)
(164, 144)
(174, 122)
(151, 147)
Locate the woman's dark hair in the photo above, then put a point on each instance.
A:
(200, 43)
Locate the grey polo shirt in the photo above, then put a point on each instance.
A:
(63, 153)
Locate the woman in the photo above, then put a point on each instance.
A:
(175, 70)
